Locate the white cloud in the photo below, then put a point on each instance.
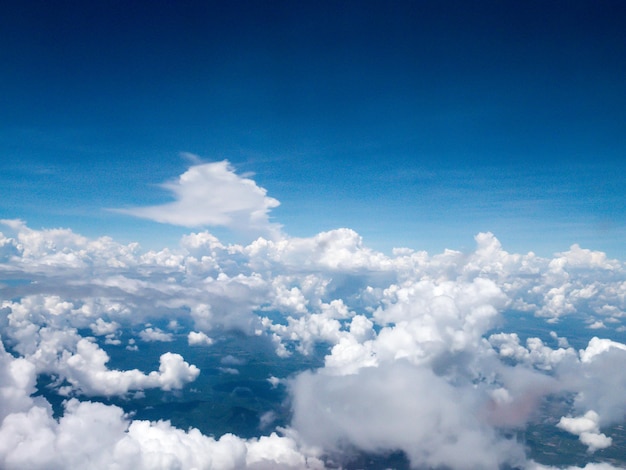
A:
(587, 429)
(598, 346)
(595, 441)
(400, 406)
(102, 328)
(195, 338)
(535, 354)
(34, 440)
(212, 194)
(87, 372)
(17, 383)
(596, 325)
(395, 327)
(82, 363)
(586, 423)
(155, 334)
(31, 438)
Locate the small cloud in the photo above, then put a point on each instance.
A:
(112, 340)
(191, 158)
(267, 419)
(232, 361)
(102, 328)
(274, 381)
(198, 339)
(155, 334)
(596, 325)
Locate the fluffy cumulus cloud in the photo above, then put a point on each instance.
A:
(109, 439)
(587, 428)
(404, 407)
(449, 358)
(197, 338)
(212, 194)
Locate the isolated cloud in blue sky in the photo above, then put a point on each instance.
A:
(212, 194)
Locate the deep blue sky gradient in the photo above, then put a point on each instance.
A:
(415, 123)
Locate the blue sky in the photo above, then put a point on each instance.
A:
(414, 123)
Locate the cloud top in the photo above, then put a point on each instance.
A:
(422, 353)
(213, 194)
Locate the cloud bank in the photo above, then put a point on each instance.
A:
(420, 353)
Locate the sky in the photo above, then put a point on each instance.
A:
(416, 124)
(312, 235)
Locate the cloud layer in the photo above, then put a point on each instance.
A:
(420, 352)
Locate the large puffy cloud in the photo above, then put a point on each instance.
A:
(213, 194)
(400, 406)
(60, 249)
(33, 439)
(425, 382)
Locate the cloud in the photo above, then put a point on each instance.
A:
(86, 372)
(598, 346)
(155, 334)
(395, 341)
(108, 439)
(398, 407)
(30, 437)
(102, 328)
(195, 338)
(17, 383)
(212, 194)
(587, 429)
(232, 361)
